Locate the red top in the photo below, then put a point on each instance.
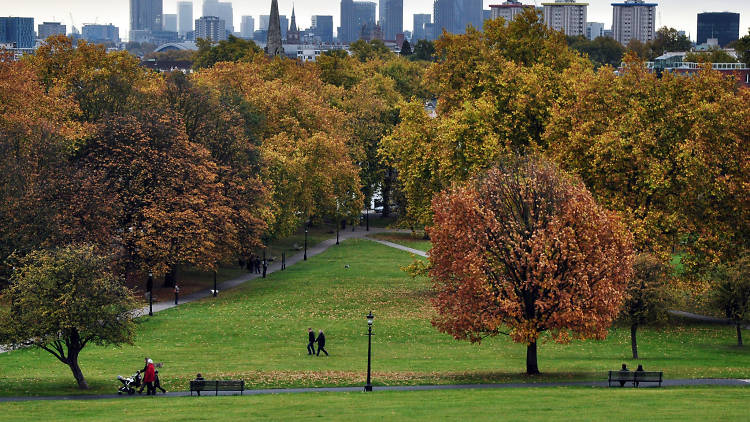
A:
(150, 375)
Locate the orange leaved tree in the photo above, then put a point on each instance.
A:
(525, 248)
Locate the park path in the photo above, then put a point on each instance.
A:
(592, 384)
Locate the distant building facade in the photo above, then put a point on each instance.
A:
(100, 34)
(184, 17)
(455, 15)
(222, 10)
(594, 30)
(146, 15)
(170, 22)
(354, 16)
(634, 20)
(322, 27)
(48, 29)
(247, 27)
(508, 10)
(210, 28)
(18, 32)
(392, 18)
(420, 20)
(567, 16)
(724, 26)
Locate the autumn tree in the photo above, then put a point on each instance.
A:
(731, 293)
(648, 295)
(230, 50)
(526, 248)
(64, 299)
(423, 50)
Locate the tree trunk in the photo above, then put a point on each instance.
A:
(633, 341)
(170, 278)
(532, 367)
(77, 374)
(739, 334)
(386, 192)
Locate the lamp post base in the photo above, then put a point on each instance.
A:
(368, 387)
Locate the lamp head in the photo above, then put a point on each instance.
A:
(370, 317)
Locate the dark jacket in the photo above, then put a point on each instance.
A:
(311, 337)
(321, 340)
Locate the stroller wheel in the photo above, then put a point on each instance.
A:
(119, 393)
(131, 391)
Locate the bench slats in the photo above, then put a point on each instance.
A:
(635, 377)
(217, 385)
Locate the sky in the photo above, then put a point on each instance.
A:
(680, 14)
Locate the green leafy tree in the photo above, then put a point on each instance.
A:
(232, 49)
(712, 56)
(742, 46)
(732, 292)
(424, 50)
(601, 51)
(406, 49)
(366, 51)
(64, 299)
(668, 39)
(647, 295)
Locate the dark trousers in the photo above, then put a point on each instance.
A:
(323, 348)
(150, 389)
(311, 348)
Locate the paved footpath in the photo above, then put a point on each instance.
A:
(591, 384)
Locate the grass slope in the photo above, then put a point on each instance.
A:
(258, 333)
(535, 404)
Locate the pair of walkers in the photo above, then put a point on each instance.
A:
(150, 379)
(311, 340)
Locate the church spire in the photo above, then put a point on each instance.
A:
(293, 35)
(293, 26)
(273, 43)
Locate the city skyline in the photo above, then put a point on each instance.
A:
(680, 14)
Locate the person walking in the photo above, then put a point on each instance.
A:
(321, 343)
(149, 376)
(157, 383)
(310, 342)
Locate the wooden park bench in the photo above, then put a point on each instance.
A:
(217, 385)
(635, 377)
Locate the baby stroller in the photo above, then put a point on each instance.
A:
(129, 384)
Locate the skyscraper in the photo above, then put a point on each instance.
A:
(455, 15)
(47, 29)
(220, 9)
(263, 23)
(100, 34)
(420, 19)
(17, 31)
(355, 15)
(184, 17)
(247, 27)
(210, 28)
(594, 30)
(508, 10)
(273, 43)
(170, 22)
(322, 26)
(146, 15)
(391, 17)
(567, 16)
(724, 26)
(633, 20)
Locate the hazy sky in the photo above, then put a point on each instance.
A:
(680, 14)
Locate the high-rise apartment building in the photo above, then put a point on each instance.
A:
(354, 16)
(48, 29)
(420, 19)
(210, 28)
(146, 15)
(455, 15)
(170, 22)
(322, 26)
(508, 10)
(100, 34)
(723, 26)
(222, 10)
(392, 18)
(594, 30)
(567, 16)
(247, 27)
(633, 20)
(17, 31)
(184, 17)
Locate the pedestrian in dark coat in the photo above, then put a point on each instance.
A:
(321, 343)
(257, 265)
(310, 341)
(157, 383)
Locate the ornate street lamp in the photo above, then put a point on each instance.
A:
(370, 317)
(305, 257)
(215, 291)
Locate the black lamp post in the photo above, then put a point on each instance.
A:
(370, 317)
(305, 257)
(265, 263)
(338, 223)
(215, 291)
(150, 288)
(367, 217)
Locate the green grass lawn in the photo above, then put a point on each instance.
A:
(258, 333)
(535, 404)
(415, 241)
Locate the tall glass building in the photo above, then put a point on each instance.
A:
(725, 26)
(17, 31)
